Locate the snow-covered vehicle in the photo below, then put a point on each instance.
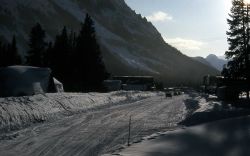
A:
(27, 80)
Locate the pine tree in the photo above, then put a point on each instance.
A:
(92, 70)
(5, 61)
(1, 54)
(60, 60)
(238, 39)
(37, 46)
(47, 55)
(13, 55)
(72, 40)
(9, 54)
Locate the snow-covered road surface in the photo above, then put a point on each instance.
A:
(96, 132)
(230, 137)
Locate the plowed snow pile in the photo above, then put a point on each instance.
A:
(210, 109)
(18, 112)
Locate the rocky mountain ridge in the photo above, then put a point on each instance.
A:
(130, 44)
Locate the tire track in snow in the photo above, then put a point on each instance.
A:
(98, 132)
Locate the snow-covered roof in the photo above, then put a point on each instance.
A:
(24, 80)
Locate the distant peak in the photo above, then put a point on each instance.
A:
(212, 56)
(216, 61)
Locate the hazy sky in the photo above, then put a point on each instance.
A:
(195, 27)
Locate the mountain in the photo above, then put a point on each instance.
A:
(216, 62)
(212, 60)
(130, 44)
(202, 60)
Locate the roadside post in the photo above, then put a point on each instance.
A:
(129, 129)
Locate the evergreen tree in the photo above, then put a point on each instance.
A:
(75, 60)
(72, 40)
(9, 54)
(13, 56)
(5, 57)
(89, 59)
(37, 46)
(238, 39)
(2, 51)
(47, 55)
(60, 57)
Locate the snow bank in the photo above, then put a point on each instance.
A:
(229, 137)
(18, 112)
(210, 109)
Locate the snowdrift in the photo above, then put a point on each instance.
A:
(210, 109)
(212, 127)
(228, 137)
(18, 112)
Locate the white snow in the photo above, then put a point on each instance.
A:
(208, 109)
(17, 112)
(85, 124)
(104, 34)
(97, 123)
(229, 137)
(127, 56)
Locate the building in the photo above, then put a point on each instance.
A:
(142, 83)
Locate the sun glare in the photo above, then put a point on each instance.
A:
(228, 5)
(247, 1)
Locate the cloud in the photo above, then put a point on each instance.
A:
(159, 17)
(184, 44)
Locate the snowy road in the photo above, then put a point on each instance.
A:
(96, 132)
(228, 137)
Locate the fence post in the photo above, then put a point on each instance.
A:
(129, 129)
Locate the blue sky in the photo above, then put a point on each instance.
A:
(195, 27)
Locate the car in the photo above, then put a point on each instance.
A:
(168, 94)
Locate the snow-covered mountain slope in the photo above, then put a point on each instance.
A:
(130, 44)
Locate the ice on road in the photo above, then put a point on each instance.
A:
(98, 131)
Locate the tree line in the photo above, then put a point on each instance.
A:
(75, 58)
(9, 53)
